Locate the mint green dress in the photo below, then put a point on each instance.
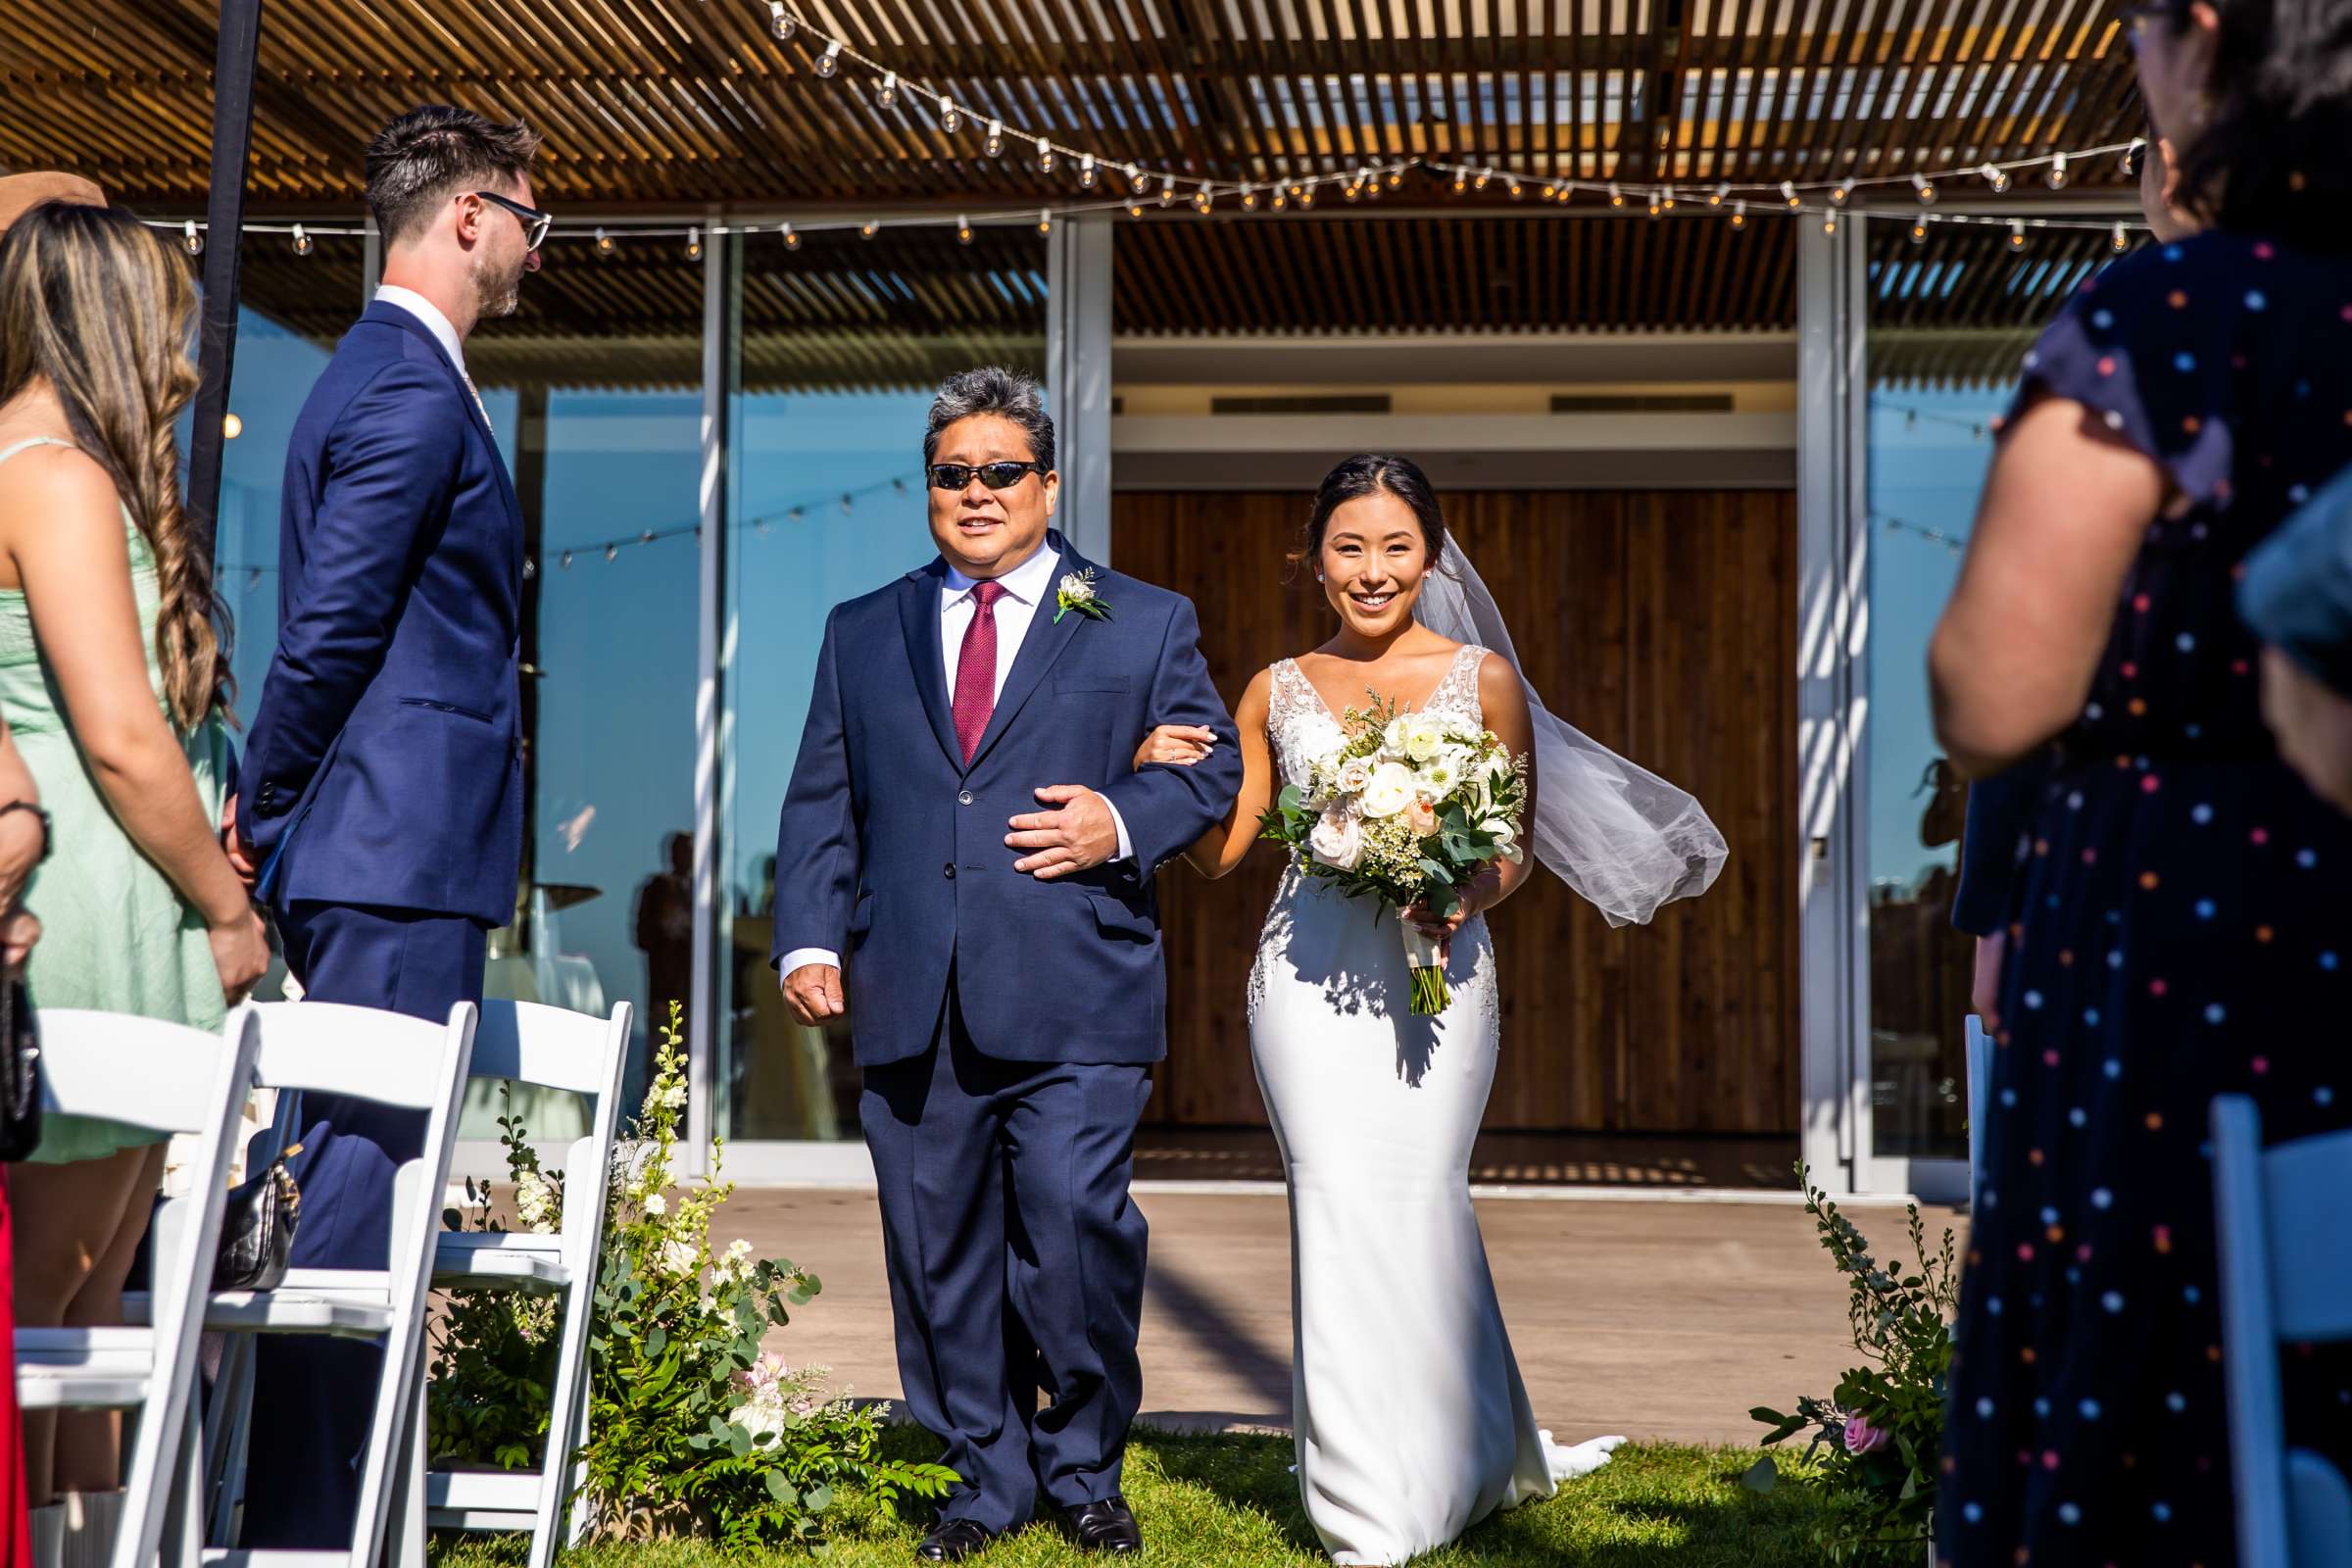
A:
(115, 936)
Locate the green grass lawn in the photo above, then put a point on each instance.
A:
(1232, 1499)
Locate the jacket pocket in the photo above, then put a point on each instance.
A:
(439, 707)
(1119, 918)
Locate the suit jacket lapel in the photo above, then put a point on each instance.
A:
(393, 315)
(1043, 644)
(918, 613)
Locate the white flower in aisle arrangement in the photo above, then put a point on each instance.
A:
(1406, 811)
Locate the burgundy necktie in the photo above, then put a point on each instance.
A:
(976, 669)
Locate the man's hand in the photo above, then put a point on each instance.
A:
(19, 929)
(1077, 837)
(812, 993)
(239, 859)
(19, 854)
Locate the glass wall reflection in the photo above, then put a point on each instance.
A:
(1949, 319)
(593, 387)
(844, 341)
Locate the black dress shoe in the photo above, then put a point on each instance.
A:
(1105, 1526)
(953, 1540)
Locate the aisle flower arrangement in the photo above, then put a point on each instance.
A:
(1878, 1439)
(693, 1430)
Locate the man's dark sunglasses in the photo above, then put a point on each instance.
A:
(995, 476)
(535, 223)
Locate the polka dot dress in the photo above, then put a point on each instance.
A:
(2182, 928)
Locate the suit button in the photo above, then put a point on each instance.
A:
(950, 871)
(963, 797)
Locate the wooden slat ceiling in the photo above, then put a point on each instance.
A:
(691, 106)
(691, 102)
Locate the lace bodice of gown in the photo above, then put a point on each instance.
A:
(1302, 725)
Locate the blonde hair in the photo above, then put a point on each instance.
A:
(99, 305)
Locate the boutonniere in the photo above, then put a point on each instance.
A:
(1077, 592)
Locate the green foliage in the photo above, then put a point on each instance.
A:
(1877, 1440)
(691, 1431)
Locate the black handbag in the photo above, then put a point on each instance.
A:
(19, 1074)
(256, 1232)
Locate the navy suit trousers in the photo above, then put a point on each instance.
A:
(1017, 1265)
(311, 1407)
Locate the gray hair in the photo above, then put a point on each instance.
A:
(993, 389)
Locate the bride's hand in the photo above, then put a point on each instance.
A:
(1475, 895)
(1177, 745)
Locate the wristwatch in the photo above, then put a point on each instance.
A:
(40, 815)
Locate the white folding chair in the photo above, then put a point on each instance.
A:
(322, 1048)
(548, 1048)
(2285, 1254)
(168, 1079)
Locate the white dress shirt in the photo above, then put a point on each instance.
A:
(425, 310)
(1025, 588)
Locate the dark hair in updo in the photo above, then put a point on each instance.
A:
(2271, 157)
(1372, 473)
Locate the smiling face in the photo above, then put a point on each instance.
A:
(1373, 561)
(985, 533)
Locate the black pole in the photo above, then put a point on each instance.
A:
(225, 216)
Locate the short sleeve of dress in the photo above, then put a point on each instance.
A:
(2148, 345)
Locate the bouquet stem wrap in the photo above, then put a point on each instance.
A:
(1426, 955)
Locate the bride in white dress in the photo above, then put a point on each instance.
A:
(1412, 1421)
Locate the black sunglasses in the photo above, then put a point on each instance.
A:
(535, 223)
(995, 475)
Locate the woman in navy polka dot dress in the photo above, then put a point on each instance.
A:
(2181, 924)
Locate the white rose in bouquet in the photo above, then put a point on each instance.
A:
(1391, 739)
(1390, 790)
(1338, 838)
(1424, 737)
(1505, 837)
(1354, 774)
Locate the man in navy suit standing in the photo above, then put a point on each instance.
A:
(1004, 981)
(381, 804)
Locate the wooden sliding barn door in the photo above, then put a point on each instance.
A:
(1661, 623)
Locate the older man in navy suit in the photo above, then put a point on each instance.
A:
(1004, 987)
(381, 804)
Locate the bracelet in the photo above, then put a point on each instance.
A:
(40, 815)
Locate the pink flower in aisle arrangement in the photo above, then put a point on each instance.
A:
(1861, 1436)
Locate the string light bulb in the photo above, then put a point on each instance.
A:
(1086, 171)
(2120, 241)
(868, 230)
(1044, 158)
(191, 241)
(888, 94)
(995, 137)
(951, 118)
(1616, 196)
(1277, 198)
(1552, 190)
(781, 22)
(1997, 177)
(2056, 177)
(1828, 222)
(1843, 191)
(1134, 207)
(1249, 198)
(1514, 189)
(302, 241)
(1924, 188)
(1045, 220)
(1203, 201)
(1789, 193)
(1167, 194)
(1137, 179)
(829, 64)
(1670, 198)
(1484, 175)
(1717, 196)
(1351, 190)
(1306, 197)
(2017, 233)
(792, 241)
(963, 228)
(1657, 204)
(694, 244)
(611, 552)
(603, 244)
(1738, 215)
(1461, 180)
(1396, 178)
(1919, 232)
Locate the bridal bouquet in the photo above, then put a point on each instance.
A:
(1405, 810)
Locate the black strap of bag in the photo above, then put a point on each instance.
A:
(19, 1073)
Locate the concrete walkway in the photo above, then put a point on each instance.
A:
(1655, 1319)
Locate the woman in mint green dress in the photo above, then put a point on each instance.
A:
(113, 678)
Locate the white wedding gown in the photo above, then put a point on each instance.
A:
(1412, 1421)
